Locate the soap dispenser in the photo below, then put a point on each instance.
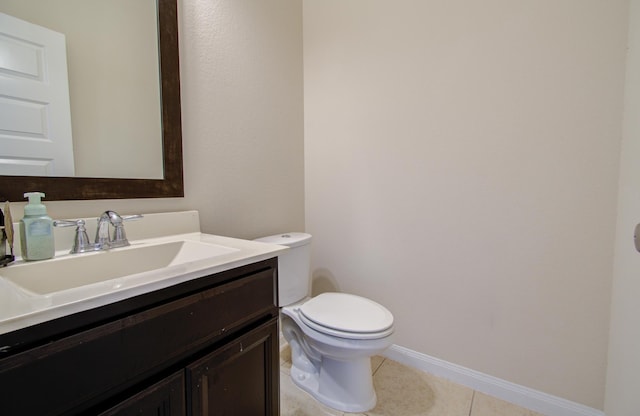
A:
(36, 230)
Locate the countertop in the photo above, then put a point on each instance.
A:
(26, 309)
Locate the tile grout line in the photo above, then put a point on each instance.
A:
(473, 398)
(378, 367)
(373, 373)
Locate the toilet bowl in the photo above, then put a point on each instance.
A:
(331, 357)
(332, 335)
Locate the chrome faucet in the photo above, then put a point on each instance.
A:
(103, 241)
(119, 238)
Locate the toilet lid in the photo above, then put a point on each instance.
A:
(343, 314)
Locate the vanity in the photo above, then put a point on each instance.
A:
(179, 323)
(193, 330)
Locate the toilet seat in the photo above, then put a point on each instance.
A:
(347, 316)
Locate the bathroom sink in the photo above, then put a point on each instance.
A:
(111, 269)
(167, 249)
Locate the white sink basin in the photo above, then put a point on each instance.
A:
(113, 266)
(166, 249)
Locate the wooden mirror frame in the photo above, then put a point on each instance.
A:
(12, 188)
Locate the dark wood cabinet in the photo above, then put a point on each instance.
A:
(165, 398)
(239, 378)
(204, 347)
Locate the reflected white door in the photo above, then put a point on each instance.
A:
(35, 116)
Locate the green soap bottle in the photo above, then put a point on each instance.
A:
(36, 230)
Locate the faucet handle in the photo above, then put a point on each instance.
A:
(131, 217)
(81, 242)
(119, 235)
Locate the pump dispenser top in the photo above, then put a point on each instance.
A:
(36, 230)
(35, 205)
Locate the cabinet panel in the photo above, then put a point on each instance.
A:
(165, 398)
(239, 378)
(79, 371)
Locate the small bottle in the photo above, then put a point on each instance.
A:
(36, 230)
(3, 238)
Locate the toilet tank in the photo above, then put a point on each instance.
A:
(294, 279)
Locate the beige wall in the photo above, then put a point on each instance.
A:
(623, 372)
(461, 166)
(241, 75)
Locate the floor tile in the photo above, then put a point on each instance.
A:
(376, 362)
(403, 391)
(296, 402)
(484, 405)
(285, 357)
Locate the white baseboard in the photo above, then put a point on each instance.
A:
(510, 392)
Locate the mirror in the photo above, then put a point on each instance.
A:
(171, 185)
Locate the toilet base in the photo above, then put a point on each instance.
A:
(343, 385)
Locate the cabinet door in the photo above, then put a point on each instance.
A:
(165, 398)
(240, 378)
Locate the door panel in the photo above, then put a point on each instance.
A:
(239, 378)
(35, 115)
(165, 398)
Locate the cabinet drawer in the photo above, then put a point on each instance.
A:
(81, 370)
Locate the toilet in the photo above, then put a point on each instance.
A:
(332, 335)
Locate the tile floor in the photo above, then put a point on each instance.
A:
(402, 391)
